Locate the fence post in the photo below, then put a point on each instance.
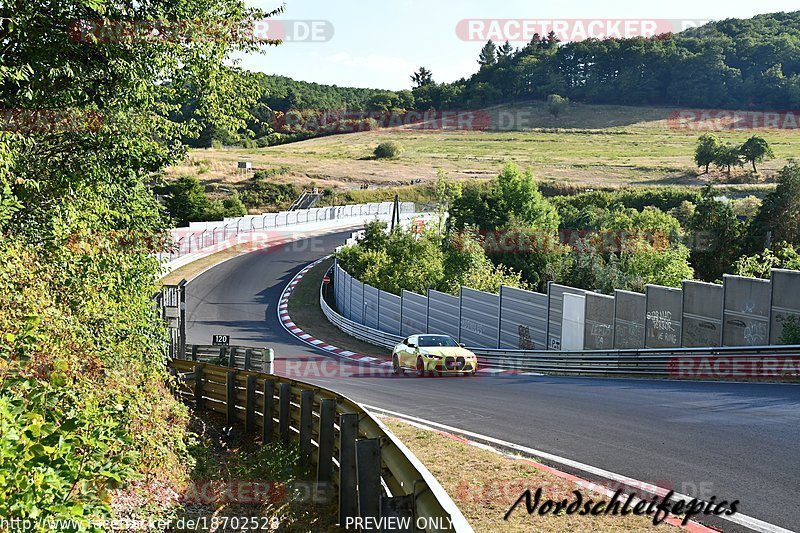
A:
(269, 361)
(285, 415)
(250, 418)
(182, 320)
(306, 419)
(327, 412)
(198, 386)
(230, 396)
(368, 468)
(194, 352)
(268, 410)
(348, 502)
(248, 354)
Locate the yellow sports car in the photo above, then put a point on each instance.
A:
(433, 355)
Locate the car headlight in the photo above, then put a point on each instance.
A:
(437, 357)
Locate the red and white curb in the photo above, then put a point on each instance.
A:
(302, 336)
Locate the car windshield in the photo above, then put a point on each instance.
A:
(427, 341)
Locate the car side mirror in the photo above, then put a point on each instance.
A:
(412, 345)
(462, 344)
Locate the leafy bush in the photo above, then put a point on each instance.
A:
(401, 259)
(388, 150)
(791, 330)
(265, 195)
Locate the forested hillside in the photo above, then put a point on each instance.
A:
(731, 64)
(734, 63)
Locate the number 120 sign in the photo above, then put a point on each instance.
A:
(221, 340)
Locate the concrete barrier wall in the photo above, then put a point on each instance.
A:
(371, 295)
(480, 318)
(389, 312)
(573, 321)
(415, 314)
(746, 313)
(523, 319)
(663, 320)
(702, 314)
(555, 305)
(598, 333)
(742, 312)
(629, 318)
(444, 312)
(785, 301)
(357, 301)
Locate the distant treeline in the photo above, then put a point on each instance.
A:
(733, 64)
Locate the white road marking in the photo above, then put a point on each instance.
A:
(743, 520)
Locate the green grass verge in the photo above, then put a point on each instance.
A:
(306, 313)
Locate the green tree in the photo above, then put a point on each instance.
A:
(779, 217)
(716, 237)
(755, 150)
(707, 150)
(557, 104)
(760, 265)
(505, 52)
(518, 197)
(488, 55)
(186, 200)
(85, 406)
(728, 156)
(422, 78)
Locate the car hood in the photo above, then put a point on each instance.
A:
(452, 351)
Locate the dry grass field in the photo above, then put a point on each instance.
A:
(589, 145)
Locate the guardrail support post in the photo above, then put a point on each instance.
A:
(268, 410)
(306, 419)
(250, 418)
(269, 361)
(230, 396)
(368, 468)
(348, 480)
(248, 354)
(285, 415)
(194, 352)
(198, 386)
(327, 412)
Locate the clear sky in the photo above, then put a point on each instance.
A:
(380, 43)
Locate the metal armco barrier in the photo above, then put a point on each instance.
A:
(261, 359)
(349, 450)
(683, 363)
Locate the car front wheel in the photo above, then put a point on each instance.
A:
(420, 367)
(396, 366)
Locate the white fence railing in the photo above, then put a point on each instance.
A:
(201, 237)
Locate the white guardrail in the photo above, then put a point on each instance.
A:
(204, 238)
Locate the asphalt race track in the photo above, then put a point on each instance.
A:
(730, 440)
